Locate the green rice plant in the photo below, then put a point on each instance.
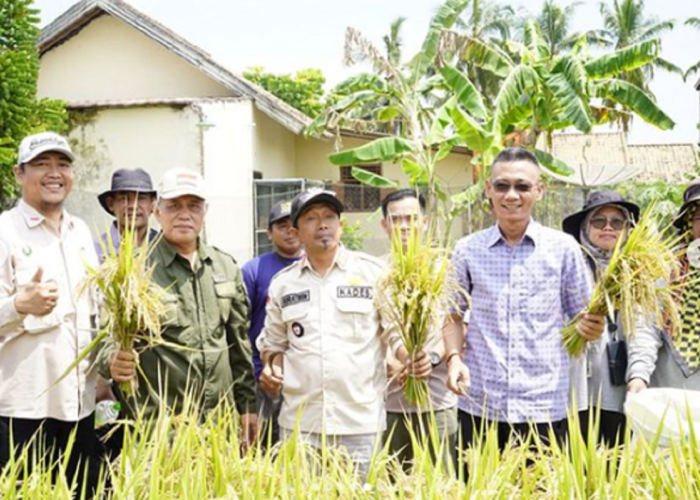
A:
(131, 301)
(416, 294)
(190, 456)
(636, 281)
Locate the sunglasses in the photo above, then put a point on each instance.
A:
(505, 187)
(602, 222)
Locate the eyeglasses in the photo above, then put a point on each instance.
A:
(505, 187)
(602, 222)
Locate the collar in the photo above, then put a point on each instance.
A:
(531, 233)
(33, 218)
(169, 253)
(340, 260)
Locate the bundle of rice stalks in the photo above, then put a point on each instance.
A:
(417, 293)
(637, 281)
(130, 300)
(131, 304)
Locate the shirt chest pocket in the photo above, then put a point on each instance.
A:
(542, 295)
(357, 318)
(226, 293)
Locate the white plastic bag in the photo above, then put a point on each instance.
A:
(673, 411)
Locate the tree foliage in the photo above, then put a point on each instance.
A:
(21, 113)
(303, 90)
(431, 104)
(625, 24)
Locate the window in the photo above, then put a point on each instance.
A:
(358, 197)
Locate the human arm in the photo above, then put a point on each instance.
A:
(643, 352)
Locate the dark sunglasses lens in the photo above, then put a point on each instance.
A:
(601, 222)
(617, 224)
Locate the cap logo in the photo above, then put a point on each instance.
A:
(286, 207)
(35, 143)
(187, 179)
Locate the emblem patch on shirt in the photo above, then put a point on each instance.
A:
(297, 329)
(296, 298)
(355, 280)
(355, 292)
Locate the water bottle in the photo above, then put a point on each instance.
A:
(106, 412)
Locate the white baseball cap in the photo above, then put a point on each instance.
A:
(178, 182)
(34, 145)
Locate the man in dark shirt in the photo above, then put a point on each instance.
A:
(257, 275)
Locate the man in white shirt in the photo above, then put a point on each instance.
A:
(44, 324)
(324, 345)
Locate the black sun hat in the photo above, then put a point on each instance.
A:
(572, 223)
(690, 196)
(136, 180)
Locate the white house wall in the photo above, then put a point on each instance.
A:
(229, 134)
(275, 148)
(312, 162)
(110, 60)
(154, 139)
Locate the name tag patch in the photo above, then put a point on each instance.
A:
(296, 298)
(355, 292)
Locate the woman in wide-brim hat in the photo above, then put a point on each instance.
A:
(672, 358)
(600, 386)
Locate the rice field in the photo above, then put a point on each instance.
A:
(183, 457)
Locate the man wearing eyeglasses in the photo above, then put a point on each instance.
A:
(526, 281)
(206, 352)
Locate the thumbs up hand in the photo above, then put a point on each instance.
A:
(37, 298)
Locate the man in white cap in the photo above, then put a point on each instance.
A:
(44, 324)
(207, 316)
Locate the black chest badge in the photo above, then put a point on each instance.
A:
(297, 329)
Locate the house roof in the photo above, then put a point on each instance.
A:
(72, 21)
(597, 159)
(147, 103)
(667, 162)
(603, 159)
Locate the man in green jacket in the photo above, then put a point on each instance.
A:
(207, 317)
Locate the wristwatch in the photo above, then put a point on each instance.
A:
(435, 359)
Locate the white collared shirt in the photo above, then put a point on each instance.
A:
(333, 341)
(36, 351)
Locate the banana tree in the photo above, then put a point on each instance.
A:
(409, 101)
(543, 92)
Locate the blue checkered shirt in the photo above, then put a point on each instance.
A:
(521, 297)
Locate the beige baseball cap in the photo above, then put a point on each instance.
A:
(178, 182)
(34, 145)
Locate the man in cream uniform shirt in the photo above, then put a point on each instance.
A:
(44, 324)
(324, 344)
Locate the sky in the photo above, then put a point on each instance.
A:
(284, 36)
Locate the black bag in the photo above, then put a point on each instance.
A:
(617, 357)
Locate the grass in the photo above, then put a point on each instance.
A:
(636, 281)
(177, 457)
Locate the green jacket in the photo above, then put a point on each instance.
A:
(208, 316)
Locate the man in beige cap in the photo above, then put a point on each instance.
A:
(207, 316)
(44, 324)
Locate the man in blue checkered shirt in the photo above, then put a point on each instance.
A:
(526, 281)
